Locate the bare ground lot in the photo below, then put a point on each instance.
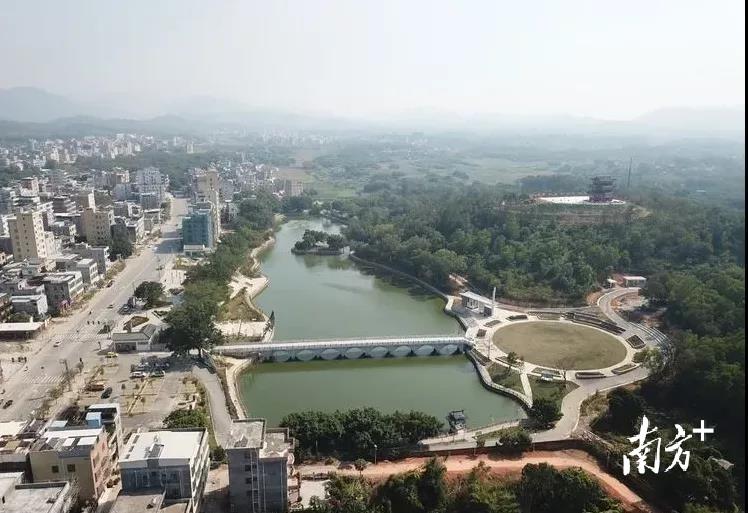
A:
(560, 345)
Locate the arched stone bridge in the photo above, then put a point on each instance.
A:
(306, 350)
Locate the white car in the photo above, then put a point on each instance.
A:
(137, 374)
(57, 344)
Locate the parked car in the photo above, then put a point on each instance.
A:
(8, 404)
(159, 374)
(111, 354)
(110, 306)
(96, 386)
(57, 344)
(137, 374)
(107, 393)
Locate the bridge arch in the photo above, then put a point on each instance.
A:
(353, 353)
(329, 354)
(449, 349)
(401, 351)
(378, 352)
(424, 350)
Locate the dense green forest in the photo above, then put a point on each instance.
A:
(540, 489)
(355, 433)
(440, 227)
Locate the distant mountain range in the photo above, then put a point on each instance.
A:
(36, 112)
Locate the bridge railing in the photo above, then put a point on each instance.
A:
(347, 343)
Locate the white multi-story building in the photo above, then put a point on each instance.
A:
(28, 238)
(175, 461)
(149, 180)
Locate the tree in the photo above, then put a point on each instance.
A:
(511, 359)
(336, 242)
(625, 408)
(150, 292)
(121, 246)
(191, 326)
(186, 419)
(513, 440)
(544, 412)
(360, 465)
(543, 489)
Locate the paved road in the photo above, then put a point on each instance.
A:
(79, 340)
(219, 413)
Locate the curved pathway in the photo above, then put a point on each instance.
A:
(571, 403)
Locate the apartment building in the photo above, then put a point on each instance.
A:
(132, 229)
(99, 254)
(149, 180)
(197, 230)
(175, 461)
(97, 225)
(260, 467)
(62, 289)
(28, 238)
(85, 200)
(63, 205)
(77, 454)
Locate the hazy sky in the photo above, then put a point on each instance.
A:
(376, 57)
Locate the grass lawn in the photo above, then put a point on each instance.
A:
(560, 345)
(554, 390)
(502, 376)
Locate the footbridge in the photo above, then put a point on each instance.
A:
(306, 350)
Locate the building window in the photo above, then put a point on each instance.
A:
(71, 468)
(55, 469)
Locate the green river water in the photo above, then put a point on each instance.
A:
(332, 297)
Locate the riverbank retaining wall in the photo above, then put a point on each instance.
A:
(487, 382)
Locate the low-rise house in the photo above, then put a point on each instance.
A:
(144, 337)
(175, 461)
(78, 454)
(21, 330)
(35, 305)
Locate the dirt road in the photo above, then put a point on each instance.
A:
(503, 466)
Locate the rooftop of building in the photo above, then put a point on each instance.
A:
(138, 502)
(251, 434)
(62, 438)
(176, 444)
(20, 327)
(247, 433)
(34, 497)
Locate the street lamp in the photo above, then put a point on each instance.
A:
(375, 454)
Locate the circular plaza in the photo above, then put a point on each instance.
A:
(560, 345)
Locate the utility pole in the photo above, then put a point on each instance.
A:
(628, 181)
